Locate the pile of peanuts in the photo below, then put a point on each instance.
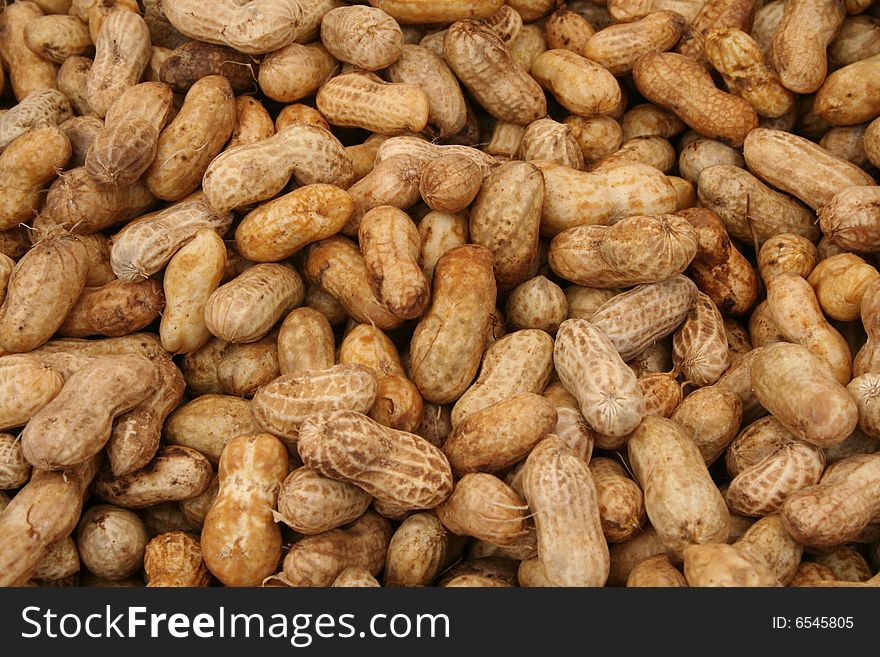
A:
(411, 293)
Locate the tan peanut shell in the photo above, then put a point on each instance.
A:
(208, 423)
(486, 508)
(562, 494)
(174, 559)
(537, 303)
(576, 198)
(241, 544)
(775, 156)
(396, 467)
(706, 109)
(296, 71)
(589, 366)
(445, 356)
(699, 346)
(500, 435)
(285, 404)
(258, 171)
(355, 577)
(450, 183)
(111, 541)
(43, 287)
(60, 562)
(768, 542)
(311, 503)
(750, 209)
(864, 390)
(253, 122)
(122, 52)
(366, 37)
(15, 471)
(721, 565)
(561, 71)
(498, 83)
(682, 502)
(787, 253)
(714, 14)
(619, 46)
(115, 309)
(636, 319)
(662, 393)
(655, 571)
(848, 565)
(621, 502)
(337, 267)
(40, 109)
(798, 49)
(318, 560)
(144, 246)
(44, 512)
(27, 386)
(702, 153)
(712, 416)
(849, 219)
(305, 342)
(192, 275)
(416, 552)
(28, 72)
(246, 308)
(840, 282)
(175, 473)
(363, 100)
(818, 409)
(280, 228)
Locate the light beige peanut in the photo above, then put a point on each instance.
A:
(192, 275)
(407, 12)
(847, 564)
(259, 171)
(666, 463)
(699, 346)
(41, 108)
(77, 423)
(15, 471)
(621, 503)
(57, 37)
(284, 405)
(191, 141)
(241, 544)
(251, 27)
(311, 503)
(818, 409)
(125, 148)
(144, 246)
(296, 71)
(721, 565)
(43, 287)
(518, 362)
(660, 76)
(419, 66)
(416, 551)
(81, 131)
(175, 473)
(499, 435)
(537, 303)
(702, 153)
(390, 243)
(583, 302)
(768, 542)
(246, 367)
(305, 342)
(787, 466)
(653, 151)
(597, 136)
(634, 320)
(712, 416)
(366, 37)
(738, 341)
(580, 85)
(568, 29)
(208, 423)
(656, 571)
(857, 39)
(839, 507)
(561, 492)
(498, 83)
(718, 267)
(280, 228)
(318, 560)
(589, 366)
(463, 284)
(648, 120)
(575, 198)
(662, 393)
(798, 49)
(775, 156)
(714, 14)
(393, 181)
(787, 253)
(174, 559)
(299, 113)
(846, 142)
(425, 151)
(363, 100)
(849, 219)
(28, 72)
(864, 390)
(253, 122)
(636, 250)
(76, 202)
(810, 573)
(450, 183)
(798, 315)
(122, 52)
(750, 209)
(44, 512)
(337, 267)
(246, 308)
(762, 327)
(617, 47)
(738, 58)
(435, 425)
(858, 442)
(440, 232)
(486, 508)
(111, 541)
(545, 139)
(59, 563)
(27, 386)
(355, 576)
(396, 467)
(840, 283)
(115, 309)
